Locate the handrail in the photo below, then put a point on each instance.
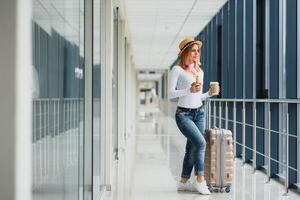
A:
(258, 100)
(54, 120)
(55, 99)
(212, 114)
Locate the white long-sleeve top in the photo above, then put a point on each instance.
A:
(179, 86)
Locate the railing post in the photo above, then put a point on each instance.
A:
(208, 114)
(34, 157)
(215, 114)
(269, 143)
(67, 133)
(254, 136)
(59, 110)
(54, 138)
(45, 139)
(234, 128)
(65, 117)
(220, 114)
(74, 127)
(287, 150)
(244, 134)
(226, 115)
(49, 138)
(40, 145)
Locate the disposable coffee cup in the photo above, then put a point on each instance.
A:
(214, 87)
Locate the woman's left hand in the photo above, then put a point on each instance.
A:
(210, 92)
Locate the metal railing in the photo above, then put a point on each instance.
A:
(283, 105)
(56, 128)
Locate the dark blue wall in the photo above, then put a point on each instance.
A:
(291, 81)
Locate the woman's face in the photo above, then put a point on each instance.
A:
(194, 54)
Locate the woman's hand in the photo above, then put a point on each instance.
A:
(211, 93)
(195, 87)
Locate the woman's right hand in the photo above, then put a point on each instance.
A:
(195, 87)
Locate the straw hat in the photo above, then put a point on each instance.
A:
(186, 42)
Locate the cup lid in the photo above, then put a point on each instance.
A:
(214, 83)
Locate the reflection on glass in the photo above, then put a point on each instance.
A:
(115, 86)
(57, 99)
(96, 101)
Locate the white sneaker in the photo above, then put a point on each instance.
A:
(186, 187)
(201, 187)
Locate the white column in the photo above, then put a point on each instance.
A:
(135, 97)
(106, 92)
(88, 82)
(127, 81)
(121, 83)
(15, 89)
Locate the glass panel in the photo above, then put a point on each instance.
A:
(115, 87)
(88, 104)
(96, 102)
(282, 130)
(57, 60)
(81, 95)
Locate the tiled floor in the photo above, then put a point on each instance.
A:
(150, 166)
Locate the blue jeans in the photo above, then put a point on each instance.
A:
(191, 124)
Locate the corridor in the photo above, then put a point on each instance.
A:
(89, 90)
(152, 164)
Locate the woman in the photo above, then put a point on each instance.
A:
(186, 82)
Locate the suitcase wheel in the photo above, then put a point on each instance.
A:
(227, 189)
(216, 190)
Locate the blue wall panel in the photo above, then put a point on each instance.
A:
(239, 130)
(219, 48)
(291, 49)
(249, 50)
(292, 142)
(239, 69)
(225, 52)
(274, 138)
(291, 81)
(249, 129)
(205, 57)
(274, 86)
(274, 48)
(260, 78)
(260, 137)
(231, 67)
(239, 58)
(248, 60)
(213, 66)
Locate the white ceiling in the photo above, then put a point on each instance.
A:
(157, 27)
